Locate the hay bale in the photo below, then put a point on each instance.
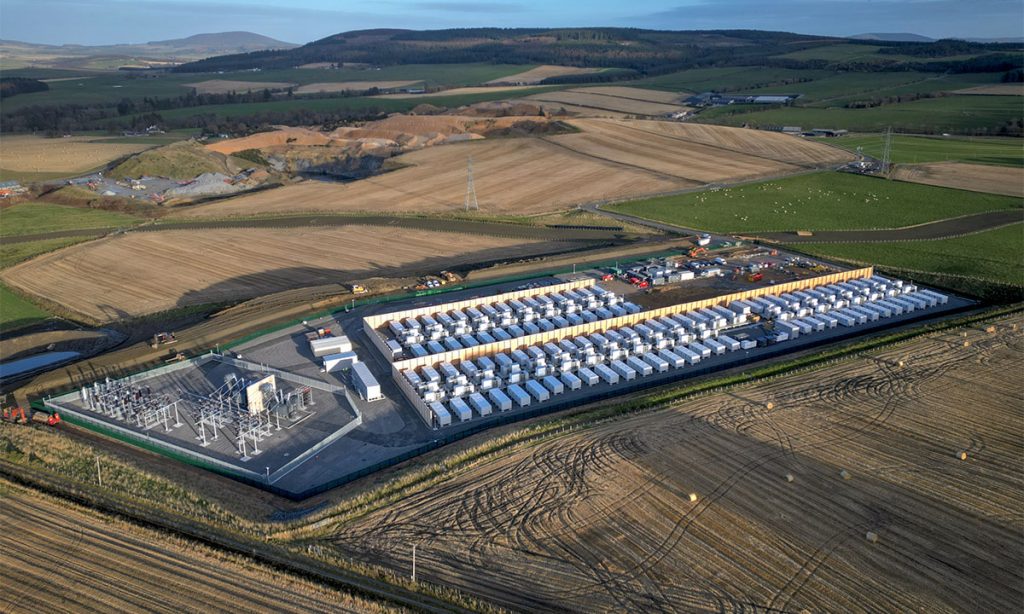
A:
(899, 364)
(872, 537)
(990, 329)
(789, 477)
(843, 473)
(693, 497)
(962, 455)
(967, 344)
(769, 406)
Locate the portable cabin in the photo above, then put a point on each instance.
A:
(731, 344)
(714, 346)
(499, 399)
(479, 404)
(607, 374)
(844, 318)
(637, 364)
(537, 390)
(519, 396)
(440, 415)
(660, 365)
(625, 371)
(587, 376)
(553, 384)
(703, 350)
(688, 354)
(671, 358)
(460, 409)
(570, 381)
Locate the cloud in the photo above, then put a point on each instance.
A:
(470, 7)
(936, 18)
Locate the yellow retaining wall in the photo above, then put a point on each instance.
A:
(376, 321)
(626, 320)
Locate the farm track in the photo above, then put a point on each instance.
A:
(599, 519)
(494, 229)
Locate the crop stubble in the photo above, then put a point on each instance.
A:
(145, 272)
(600, 520)
(608, 160)
(64, 558)
(36, 154)
(1008, 180)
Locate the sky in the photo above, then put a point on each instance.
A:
(102, 22)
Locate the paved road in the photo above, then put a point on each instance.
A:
(941, 229)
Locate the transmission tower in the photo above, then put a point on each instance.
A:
(471, 201)
(887, 153)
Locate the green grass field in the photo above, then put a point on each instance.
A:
(839, 89)
(721, 79)
(852, 52)
(95, 86)
(16, 312)
(953, 114)
(13, 253)
(908, 149)
(355, 103)
(36, 218)
(996, 255)
(817, 201)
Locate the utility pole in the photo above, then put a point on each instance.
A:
(414, 563)
(887, 153)
(99, 476)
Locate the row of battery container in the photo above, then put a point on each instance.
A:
(463, 328)
(535, 374)
(846, 304)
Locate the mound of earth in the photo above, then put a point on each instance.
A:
(503, 108)
(181, 160)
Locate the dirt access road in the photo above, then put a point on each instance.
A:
(600, 519)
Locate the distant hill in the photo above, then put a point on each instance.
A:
(223, 42)
(633, 51)
(627, 48)
(15, 54)
(894, 37)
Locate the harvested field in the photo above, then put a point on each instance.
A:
(555, 108)
(459, 91)
(512, 177)
(996, 89)
(634, 93)
(35, 154)
(63, 557)
(1006, 180)
(351, 86)
(644, 147)
(774, 145)
(607, 160)
(145, 272)
(223, 86)
(600, 518)
(589, 98)
(546, 71)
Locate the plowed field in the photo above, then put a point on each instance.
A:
(600, 519)
(63, 558)
(146, 272)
